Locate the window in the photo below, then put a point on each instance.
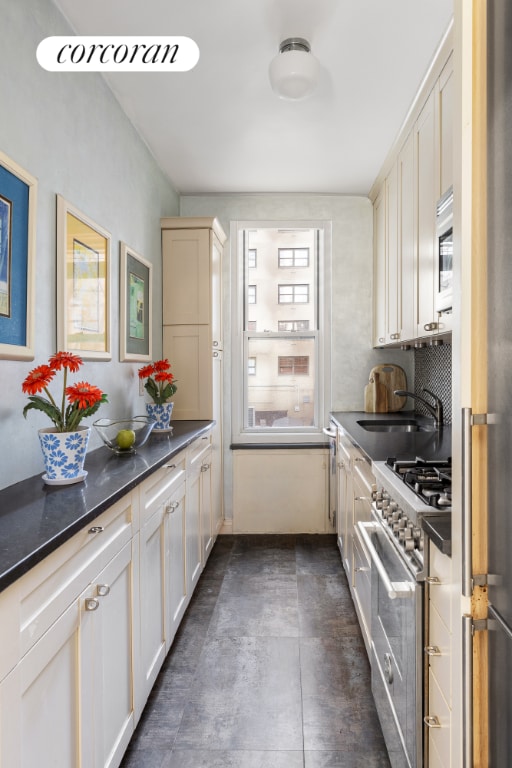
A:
(280, 362)
(293, 294)
(293, 257)
(251, 258)
(291, 325)
(297, 365)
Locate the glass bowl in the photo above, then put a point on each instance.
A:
(124, 436)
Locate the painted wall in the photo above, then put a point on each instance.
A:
(352, 356)
(70, 133)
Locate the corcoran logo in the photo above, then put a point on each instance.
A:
(117, 54)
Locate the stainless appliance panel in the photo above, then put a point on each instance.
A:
(396, 628)
(499, 273)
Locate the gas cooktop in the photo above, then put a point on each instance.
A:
(430, 480)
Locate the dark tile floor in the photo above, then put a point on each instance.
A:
(268, 669)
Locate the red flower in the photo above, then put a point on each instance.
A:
(163, 376)
(146, 371)
(38, 379)
(161, 365)
(65, 360)
(84, 395)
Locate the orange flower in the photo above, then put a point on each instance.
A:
(38, 379)
(146, 371)
(163, 376)
(84, 395)
(161, 365)
(65, 360)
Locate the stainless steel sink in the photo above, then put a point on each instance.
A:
(394, 425)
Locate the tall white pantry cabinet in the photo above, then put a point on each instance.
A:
(192, 329)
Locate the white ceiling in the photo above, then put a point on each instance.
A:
(220, 128)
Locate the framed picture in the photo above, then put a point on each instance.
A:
(18, 193)
(83, 284)
(136, 298)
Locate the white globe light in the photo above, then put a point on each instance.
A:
(294, 71)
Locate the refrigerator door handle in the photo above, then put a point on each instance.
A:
(467, 552)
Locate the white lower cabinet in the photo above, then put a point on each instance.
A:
(107, 655)
(88, 628)
(438, 653)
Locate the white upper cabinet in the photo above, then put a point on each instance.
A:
(405, 241)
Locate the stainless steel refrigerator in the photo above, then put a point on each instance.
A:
(499, 255)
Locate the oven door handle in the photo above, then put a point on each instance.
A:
(393, 588)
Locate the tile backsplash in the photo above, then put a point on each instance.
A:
(433, 370)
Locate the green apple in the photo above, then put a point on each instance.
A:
(125, 438)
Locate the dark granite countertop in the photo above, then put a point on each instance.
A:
(378, 446)
(36, 518)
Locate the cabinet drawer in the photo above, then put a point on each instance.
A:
(361, 580)
(198, 449)
(440, 580)
(47, 589)
(440, 663)
(438, 708)
(157, 488)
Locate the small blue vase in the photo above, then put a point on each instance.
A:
(162, 414)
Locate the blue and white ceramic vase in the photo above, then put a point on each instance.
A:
(162, 414)
(64, 455)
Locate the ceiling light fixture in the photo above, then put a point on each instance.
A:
(294, 71)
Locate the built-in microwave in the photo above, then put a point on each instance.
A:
(444, 256)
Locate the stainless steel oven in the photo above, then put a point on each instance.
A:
(408, 491)
(444, 257)
(396, 649)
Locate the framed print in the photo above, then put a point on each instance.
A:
(83, 284)
(18, 192)
(136, 297)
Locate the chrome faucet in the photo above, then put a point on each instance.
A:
(436, 410)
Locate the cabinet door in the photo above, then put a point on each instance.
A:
(407, 248)
(446, 109)
(188, 348)
(40, 702)
(393, 296)
(152, 597)
(186, 276)
(379, 277)
(193, 529)
(207, 528)
(177, 594)
(107, 659)
(427, 187)
(216, 291)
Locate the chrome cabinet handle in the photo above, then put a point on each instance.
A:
(215, 354)
(433, 580)
(381, 339)
(91, 604)
(96, 529)
(432, 650)
(171, 507)
(394, 336)
(362, 569)
(170, 466)
(328, 432)
(205, 467)
(430, 326)
(102, 590)
(432, 721)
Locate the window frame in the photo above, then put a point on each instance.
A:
(321, 337)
